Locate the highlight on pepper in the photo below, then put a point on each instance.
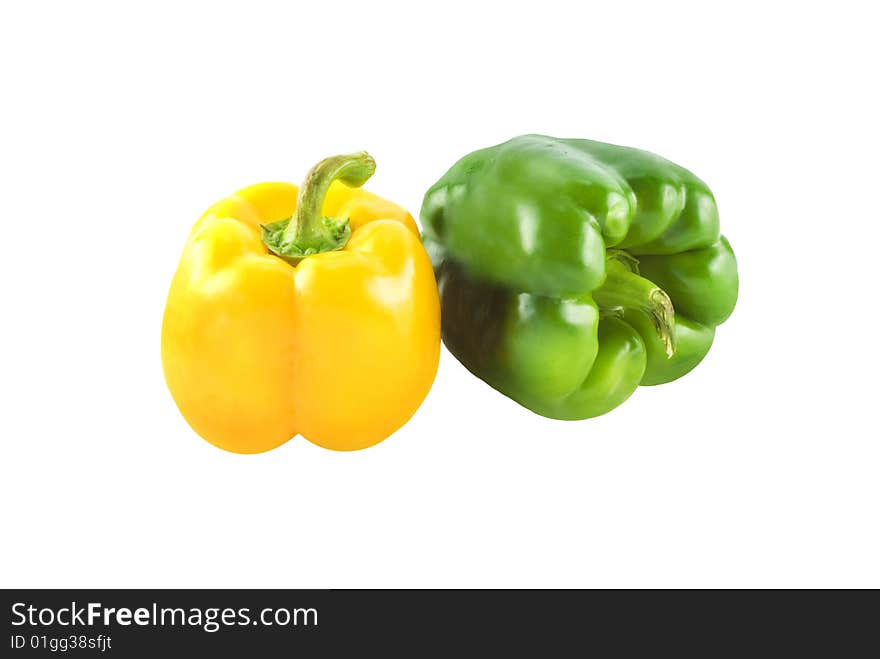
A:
(310, 311)
(573, 271)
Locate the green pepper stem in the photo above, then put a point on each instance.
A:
(625, 289)
(307, 227)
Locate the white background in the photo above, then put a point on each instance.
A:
(120, 125)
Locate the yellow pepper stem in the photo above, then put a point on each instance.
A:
(309, 231)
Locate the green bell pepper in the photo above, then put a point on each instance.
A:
(572, 271)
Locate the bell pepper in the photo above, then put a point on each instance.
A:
(310, 310)
(572, 271)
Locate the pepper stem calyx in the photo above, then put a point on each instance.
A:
(309, 231)
(625, 289)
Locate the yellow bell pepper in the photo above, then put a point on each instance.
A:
(309, 311)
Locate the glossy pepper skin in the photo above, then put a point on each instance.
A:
(572, 271)
(331, 330)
